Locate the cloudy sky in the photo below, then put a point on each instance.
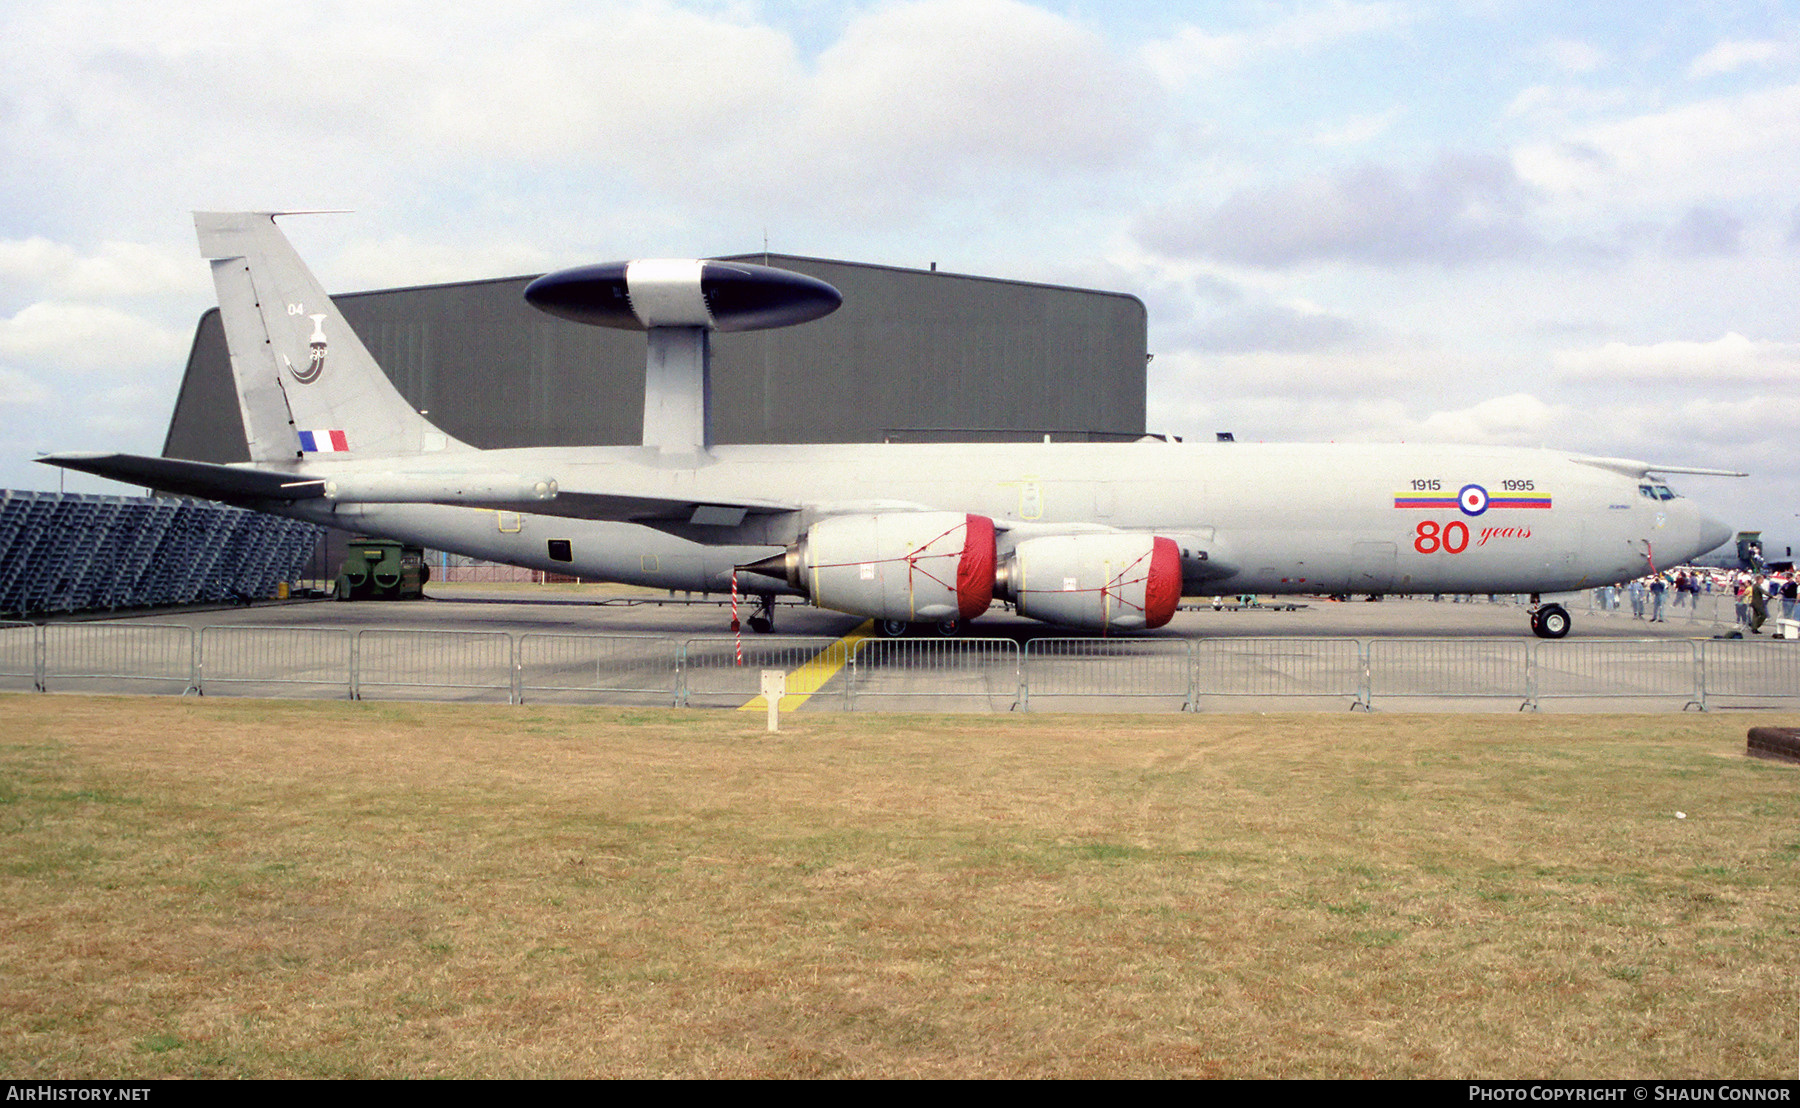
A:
(1495, 221)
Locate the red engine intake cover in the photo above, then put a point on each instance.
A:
(1162, 589)
(975, 571)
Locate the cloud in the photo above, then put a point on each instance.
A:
(1464, 208)
(35, 262)
(1559, 102)
(269, 108)
(1519, 419)
(1270, 327)
(1192, 53)
(1730, 359)
(943, 110)
(619, 85)
(1515, 420)
(1572, 55)
(974, 78)
(1729, 57)
(1725, 147)
(1704, 233)
(83, 338)
(18, 390)
(1740, 432)
(1335, 373)
(135, 410)
(1358, 129)
(114, 269)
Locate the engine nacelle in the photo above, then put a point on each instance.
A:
(913, 566)
(1099, 582)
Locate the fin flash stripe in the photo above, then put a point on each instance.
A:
(324, 442)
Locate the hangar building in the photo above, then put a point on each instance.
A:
(912, 355)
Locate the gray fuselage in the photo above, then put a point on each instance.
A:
(1252, 518)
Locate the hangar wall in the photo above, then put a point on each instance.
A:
(912, 354)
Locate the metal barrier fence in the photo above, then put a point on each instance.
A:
(1281, 668)
(710, 675)
(474, 661)
(1623, 669)
(1731, 668)
(88, 652)
(970, 672)
(618, 667)
(278, 658)
(1459, 668)
(1108, 668)
(944, 674)
(21, 658)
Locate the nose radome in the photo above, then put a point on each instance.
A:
(1713, 534)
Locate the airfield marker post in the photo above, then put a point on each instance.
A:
(774, 687)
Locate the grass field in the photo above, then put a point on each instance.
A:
(267, 889)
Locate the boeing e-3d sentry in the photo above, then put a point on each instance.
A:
(1105, 537)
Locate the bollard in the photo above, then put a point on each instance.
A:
(774, 687)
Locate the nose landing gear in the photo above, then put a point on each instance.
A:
(1551, 621)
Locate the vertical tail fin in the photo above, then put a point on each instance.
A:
(306, 384)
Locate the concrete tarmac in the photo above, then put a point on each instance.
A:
(614, 644)
(619, 610)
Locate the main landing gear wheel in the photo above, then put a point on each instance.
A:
(764, 620)
(1550, 622)
(900, 628)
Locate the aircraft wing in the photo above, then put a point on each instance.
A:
(733, 522)
(736, 522)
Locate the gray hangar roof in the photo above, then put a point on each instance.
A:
(911, 355)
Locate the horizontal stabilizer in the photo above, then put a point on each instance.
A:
(207, 480)
(507, 492)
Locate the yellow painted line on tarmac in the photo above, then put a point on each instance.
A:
(815, 671)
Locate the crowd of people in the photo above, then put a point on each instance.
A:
(1757, 596)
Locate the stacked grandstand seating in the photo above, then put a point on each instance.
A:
(70, 552)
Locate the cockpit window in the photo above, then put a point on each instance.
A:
(1656, 492)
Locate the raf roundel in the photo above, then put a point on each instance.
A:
(1473, 499)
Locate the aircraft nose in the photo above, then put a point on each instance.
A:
(1713, 534)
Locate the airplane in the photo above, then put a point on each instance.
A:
(1100, 537)
(1752, 550)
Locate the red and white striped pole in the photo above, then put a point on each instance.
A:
(734, 618)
